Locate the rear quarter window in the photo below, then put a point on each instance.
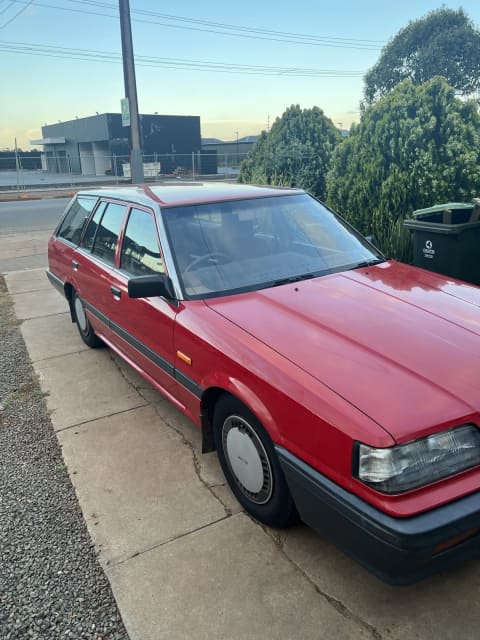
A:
(107, 232)
(72, 224)
(91, 230)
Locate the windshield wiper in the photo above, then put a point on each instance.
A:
(290, 279)
(367, 263)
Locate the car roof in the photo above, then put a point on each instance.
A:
(174, 193)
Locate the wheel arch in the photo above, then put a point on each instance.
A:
(246, 396)
(68, 289)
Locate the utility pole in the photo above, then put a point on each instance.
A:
(17, 166)
(136, 157)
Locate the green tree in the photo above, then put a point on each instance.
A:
(417, 146)
(295, 152)
(442, 43)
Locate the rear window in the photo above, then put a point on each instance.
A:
(72, 225)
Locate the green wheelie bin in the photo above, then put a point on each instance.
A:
(446, 239)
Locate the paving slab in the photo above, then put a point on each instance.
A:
(84, 386)
(136, 483)
(442, 607)
(36, 304)
(51, 336)
(27, 281)
(16, 245)
(207, 465)
(22, 251)
(229, 580)
(24, 263)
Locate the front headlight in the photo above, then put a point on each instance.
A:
(412, 465)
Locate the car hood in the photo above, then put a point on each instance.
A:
(399, 343)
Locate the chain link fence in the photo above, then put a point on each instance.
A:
(26, 170)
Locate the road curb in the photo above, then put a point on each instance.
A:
(35, 195)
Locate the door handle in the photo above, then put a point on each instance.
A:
(75, 265)
(116, 291)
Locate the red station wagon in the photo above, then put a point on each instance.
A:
(335, 385)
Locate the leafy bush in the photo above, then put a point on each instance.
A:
(417, 146)
(295, 152)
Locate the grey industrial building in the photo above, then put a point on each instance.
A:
(235, 149)
(99, 144)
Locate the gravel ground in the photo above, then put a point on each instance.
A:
(51, 584)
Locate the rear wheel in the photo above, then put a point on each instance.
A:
(250, 465)
(84, 327)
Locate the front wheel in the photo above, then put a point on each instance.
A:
(84, 327)
(250, 465)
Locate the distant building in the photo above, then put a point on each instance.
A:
(211, 141)
(229, 155)
(242, 145)
(98, 145)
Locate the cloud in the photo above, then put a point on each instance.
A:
(23, 136)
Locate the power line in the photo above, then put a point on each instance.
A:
(205, 26)
(94, 55)
(19, 13)
(235, 27)
(12, 2)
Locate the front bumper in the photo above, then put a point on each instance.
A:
(397, 550)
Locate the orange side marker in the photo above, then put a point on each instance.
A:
(185, 358)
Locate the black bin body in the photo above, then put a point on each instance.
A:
(446, 241)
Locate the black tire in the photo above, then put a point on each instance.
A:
(253, 473)
(85, 329)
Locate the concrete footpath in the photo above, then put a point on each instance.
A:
(182, 558)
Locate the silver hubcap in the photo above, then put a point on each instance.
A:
(247, 459)
(80, 314)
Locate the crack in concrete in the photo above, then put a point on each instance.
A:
(20, 293)
(198, 471)
(338, 605)
(49, 315)
(165, 542)
(15, 294)
(184, 440)
(108, 415)
(62, 355)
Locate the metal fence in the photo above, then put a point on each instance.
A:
(49, 170)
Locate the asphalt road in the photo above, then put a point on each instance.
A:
(31, 215)
(25, 228)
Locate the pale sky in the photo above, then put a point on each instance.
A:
(61, 59)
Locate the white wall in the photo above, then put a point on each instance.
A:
(87, 161)
(101, 157)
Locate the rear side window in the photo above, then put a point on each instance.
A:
(90, 231)
(140, 252)
(108, 231)
(72, 225)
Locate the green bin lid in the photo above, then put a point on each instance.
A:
(442, 207)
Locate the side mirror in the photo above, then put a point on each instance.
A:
(371, 239)
(151, 286)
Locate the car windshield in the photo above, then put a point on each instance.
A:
(228, 247)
